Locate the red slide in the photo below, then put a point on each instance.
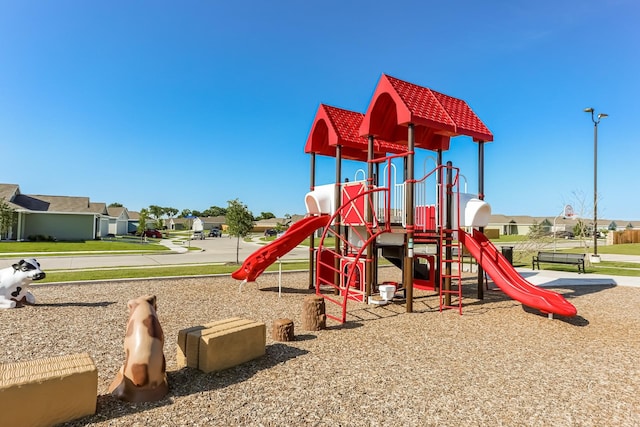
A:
(258, 261)
(510, 281)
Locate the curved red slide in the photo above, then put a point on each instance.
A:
(258, 261)
(509, 280)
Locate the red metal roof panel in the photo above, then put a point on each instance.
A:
(467, 122)
(397, 103)
(421, 102)
(336, 126)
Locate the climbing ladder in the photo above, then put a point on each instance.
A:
(450, 246)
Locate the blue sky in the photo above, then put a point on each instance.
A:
(191, 104)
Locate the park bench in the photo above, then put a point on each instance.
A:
(559, 258)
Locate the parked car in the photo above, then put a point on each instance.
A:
(564, 234)
(197, 235)
(215, 232)
(151, 233)
(270, 232)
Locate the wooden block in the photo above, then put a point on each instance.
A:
(187, 353)
(230, 344)
(49, 391)
(222, 344)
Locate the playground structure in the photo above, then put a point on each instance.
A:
(422, 225)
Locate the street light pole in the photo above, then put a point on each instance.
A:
(595, 174)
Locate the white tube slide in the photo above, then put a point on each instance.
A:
(321, 200)
(473, 211)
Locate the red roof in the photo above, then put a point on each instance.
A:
(334, 126)
(436, 117)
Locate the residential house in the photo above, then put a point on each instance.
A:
(208, 222)
(512, 225)
(132, 222)
(54, 217)
(265, 224)
(521, 224)
(118, 221)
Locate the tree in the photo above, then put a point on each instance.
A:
(265, 215)
(142, 222)
(170, 212)
(115, 205)
(580, 229)
(239, 221)
(216, 211)
(157, 213)
(583, 227)
(535, 230)
(185, 213)
(6, 218)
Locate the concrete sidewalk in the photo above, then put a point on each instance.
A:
(551, 278)
(179, 249)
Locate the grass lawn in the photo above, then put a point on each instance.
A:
(86, 246)
(625, 249)
(160, 271)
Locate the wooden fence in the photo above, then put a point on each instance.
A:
(626, 236)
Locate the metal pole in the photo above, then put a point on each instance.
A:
(312, 185)
(369, 218)
(439, 221)
(481, 197)
(448, 237)
(337, 201)
(409, 212)
(596, 121)
(595, 187)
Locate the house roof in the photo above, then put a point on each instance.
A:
(436, 117)
(8, 193)
(499, 219)
(115, 211)
(99, 207)
(45, 203)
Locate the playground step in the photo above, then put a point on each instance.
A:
(451, 288)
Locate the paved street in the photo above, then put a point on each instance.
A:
(214, 250)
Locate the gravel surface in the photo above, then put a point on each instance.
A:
(497, 364)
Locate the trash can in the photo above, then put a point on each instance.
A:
(507, 252)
